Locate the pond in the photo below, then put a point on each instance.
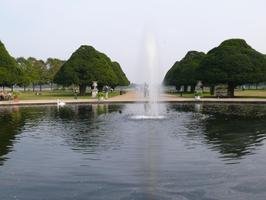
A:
(198, 151)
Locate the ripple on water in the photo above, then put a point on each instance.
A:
(111, 152)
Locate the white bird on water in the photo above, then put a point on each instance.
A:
(60, 103)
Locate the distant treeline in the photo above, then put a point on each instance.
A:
(26, 71)
(84, 66)
(233, 63)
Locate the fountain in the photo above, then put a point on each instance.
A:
(152, 86)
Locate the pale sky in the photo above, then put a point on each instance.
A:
(56, 28)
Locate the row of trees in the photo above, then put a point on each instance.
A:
(233, 62)
(83, 67)
(25, 72)
(37, 72)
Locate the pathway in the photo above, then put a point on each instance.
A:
(134, 96)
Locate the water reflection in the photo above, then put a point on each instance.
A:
(235, 131)
(79, 125)
(12, 121)
(234, 138)
(86, 128)
(98, 151)
(75, 112)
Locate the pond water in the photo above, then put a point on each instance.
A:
(81, 152)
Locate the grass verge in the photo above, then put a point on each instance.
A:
(58, 94)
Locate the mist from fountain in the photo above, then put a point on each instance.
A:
(153, 84)
(152, 81)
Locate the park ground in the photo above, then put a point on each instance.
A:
(68, 95)
(56, 94)
(50, 97)
(251, 93)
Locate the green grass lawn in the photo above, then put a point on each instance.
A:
(58, 94)
(250, 93)
(238, 94)
(191, 95)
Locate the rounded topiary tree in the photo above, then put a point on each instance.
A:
(169, 78)
(121, 76)
(233, 63)
(185, 71)
(85, 66)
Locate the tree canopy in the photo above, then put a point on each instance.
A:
(185, 71)
(28, 73)
(87, 65)
(233, 63)
(121, 76)
(169, 78)
(53, 65)
(38, 72)
(9, 70)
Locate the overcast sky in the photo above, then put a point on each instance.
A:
(56, 28)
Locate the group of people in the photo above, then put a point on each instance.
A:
(106, 90)
(5, 95)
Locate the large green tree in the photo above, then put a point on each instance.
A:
(233, 63)
(121, 76)
(84, 66)
(170, 77)
(9, 70)
(185, 71)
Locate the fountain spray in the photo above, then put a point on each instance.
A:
(153, 76)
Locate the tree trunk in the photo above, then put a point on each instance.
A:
(212, 89)
(185, 88)
(12, 88)
(33, 87)
(24, 88)
(51, 86)
(82, 89)
(192, 88)
(231, 90)
(40, 87)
